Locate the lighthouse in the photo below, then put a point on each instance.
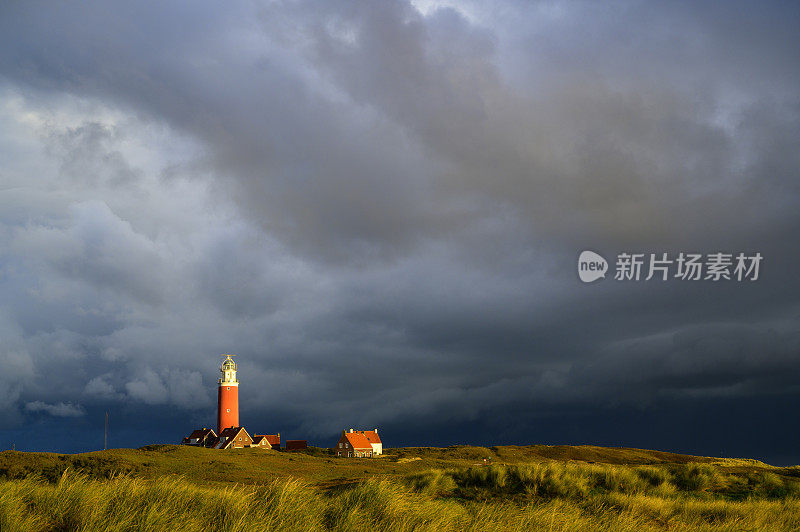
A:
(228, 395)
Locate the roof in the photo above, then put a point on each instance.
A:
(273, 439)
(228, 363)
(372, 436)
(358, 440)
(260, 439)
(230, 434)
(200, 433)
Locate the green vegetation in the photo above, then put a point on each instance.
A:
(521, 488)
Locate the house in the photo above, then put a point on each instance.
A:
(274, 440)
(374, 440)
(200, 437)
(267, 441)
(260, 441)
(234, 438)
(230, 438)
(356, 443)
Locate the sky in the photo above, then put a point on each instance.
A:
(379, 208)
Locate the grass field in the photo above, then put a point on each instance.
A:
(517, 488)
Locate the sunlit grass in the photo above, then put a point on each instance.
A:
(542, 496)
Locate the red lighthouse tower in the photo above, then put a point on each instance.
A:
(228, 395)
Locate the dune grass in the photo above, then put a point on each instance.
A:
(577, 481)
(543, 496)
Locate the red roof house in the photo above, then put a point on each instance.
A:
(267, 441)
(355, 443)
(374, 440)
(274, 440)
(260, 441)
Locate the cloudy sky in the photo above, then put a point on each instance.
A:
(379, 206)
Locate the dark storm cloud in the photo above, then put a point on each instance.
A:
(379, 206)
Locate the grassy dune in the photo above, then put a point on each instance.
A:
(168, 487)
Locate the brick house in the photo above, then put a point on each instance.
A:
(200, 438)
(359, 444)
(261, 441)
(234, 438)
(267, 441)
(374, 440)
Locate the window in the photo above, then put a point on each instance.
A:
(229, 387)
(340, 445)
(227, 409)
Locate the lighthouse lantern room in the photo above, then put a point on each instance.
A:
(228, 395)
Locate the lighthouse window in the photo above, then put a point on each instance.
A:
(229, 387)
(227, 409)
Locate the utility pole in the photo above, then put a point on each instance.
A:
(105, 436)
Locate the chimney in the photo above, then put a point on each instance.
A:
(376, 431)
(351, 430)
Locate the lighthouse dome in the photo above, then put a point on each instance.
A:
(228, 370)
